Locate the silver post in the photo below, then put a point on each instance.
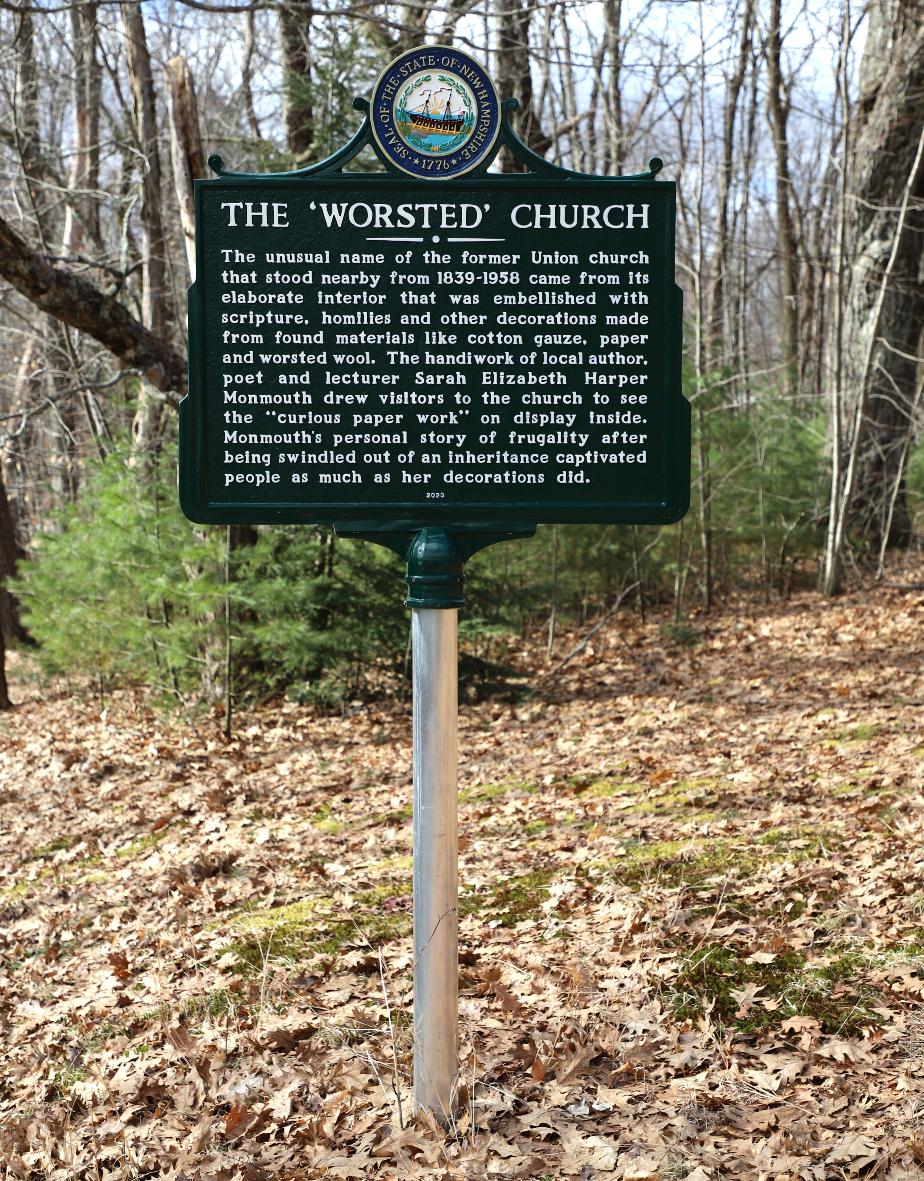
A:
(436, 853)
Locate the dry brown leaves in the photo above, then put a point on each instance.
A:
(692, 943)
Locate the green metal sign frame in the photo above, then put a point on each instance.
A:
(390, 520)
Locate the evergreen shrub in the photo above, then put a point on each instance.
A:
(124, 588)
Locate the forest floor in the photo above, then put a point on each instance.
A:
(692, 919)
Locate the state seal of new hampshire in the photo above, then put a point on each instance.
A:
(435, 113)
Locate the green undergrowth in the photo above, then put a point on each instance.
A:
(800, 843)
(56, 846)
(324, 822)
(105, 1036)
(862, 732)
(837, 990)
(674, 862)
(604, 789)
(688, 798)
(67, 871)
(144, 844)
(73, 1067)
(195, 1010)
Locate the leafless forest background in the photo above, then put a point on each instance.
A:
(795, 132)
(691, 862)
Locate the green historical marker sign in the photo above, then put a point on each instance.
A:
(436, 359)
(378, 348)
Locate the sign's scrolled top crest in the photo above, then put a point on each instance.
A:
(435, 113)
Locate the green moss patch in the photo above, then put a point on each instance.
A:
(862, 732)
(510, 901)
(800, 843)
(605, 789)
(144, 844)
(312, 927)
(714, 977)
(674, 862)
(493, 791)
(55, 846)
(689, 798)
(323, 821)
(691, 861)
(70, 871)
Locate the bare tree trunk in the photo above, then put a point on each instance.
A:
(614, 128)
(899, 485)
(26, 118)
(186, 154)
(778, 104)
(298, 114)
(10, 555)
(48, 226)
(82, 216)
(412, 24)
(740, 327)
(82, 227)
(700, 345)
(832, 566)
(246, 73)
(5, 702)
(154, 250)
(580, 158)
(718, 274)
(865, 446)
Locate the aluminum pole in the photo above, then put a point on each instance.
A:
(436, 856)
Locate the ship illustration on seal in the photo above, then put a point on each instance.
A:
(435, 113)
(427, 118)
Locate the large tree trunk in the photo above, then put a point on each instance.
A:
(82, 216)
(883, 314)
(298, 113)
(10, 555)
